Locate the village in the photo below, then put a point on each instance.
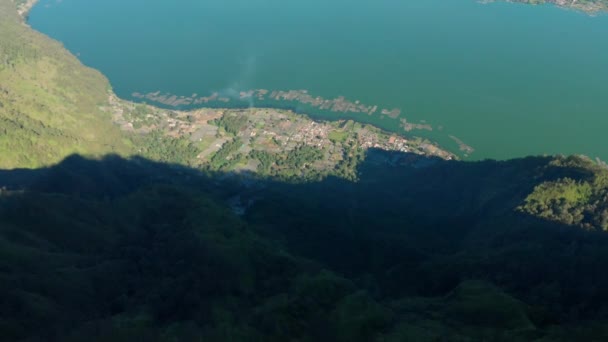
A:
(238, 139)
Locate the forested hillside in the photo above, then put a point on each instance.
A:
(49, 102)
(580, 200)
(423, 250)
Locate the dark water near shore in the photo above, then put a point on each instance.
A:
(509, 80)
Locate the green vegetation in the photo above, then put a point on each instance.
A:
(266, 161)
(353, 156)
(226, 158)
(157, 146)
(141, 116)
(294, 165)
(338, 136)
(232, 123)
(580, 199)
(49, 102)
(131, 249)
(301, 157)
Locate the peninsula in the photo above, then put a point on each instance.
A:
(264, 141)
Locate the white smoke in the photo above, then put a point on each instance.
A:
(243, 81)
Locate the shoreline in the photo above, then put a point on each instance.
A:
(24, 9)
(340, 103)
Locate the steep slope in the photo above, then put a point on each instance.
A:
(423, 250)
(49, 102)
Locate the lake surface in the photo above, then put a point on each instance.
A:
(507, 79)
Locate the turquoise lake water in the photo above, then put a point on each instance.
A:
(509, 80)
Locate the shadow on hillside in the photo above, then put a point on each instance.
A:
(392, 186)
(439, 202)
(113, 175)
(411, 226)
(442, 201)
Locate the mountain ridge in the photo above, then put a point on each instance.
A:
(445, 243)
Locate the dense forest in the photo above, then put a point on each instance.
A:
(423, 250)
(110, 236)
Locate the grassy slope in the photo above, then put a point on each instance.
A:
(580, 198)
(49, 101)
